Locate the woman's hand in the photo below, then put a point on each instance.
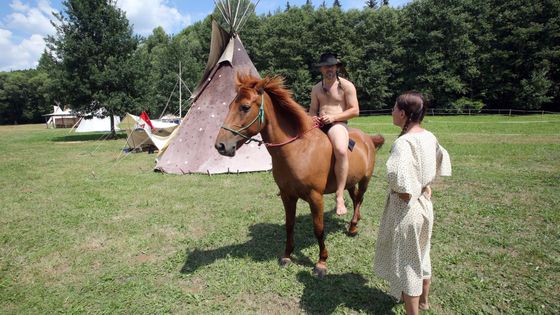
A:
(428, 192)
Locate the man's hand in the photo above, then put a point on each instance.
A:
(326, 119)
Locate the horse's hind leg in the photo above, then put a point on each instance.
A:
(290, 203)
(357, 195)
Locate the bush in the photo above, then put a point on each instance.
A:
(465, 103)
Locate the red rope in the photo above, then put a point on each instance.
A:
(316, 124)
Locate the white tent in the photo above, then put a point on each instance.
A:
(141, 136)
(61, 118)
(94, 124)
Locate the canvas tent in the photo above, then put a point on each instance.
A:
(144, 135)
(61, 118)
(192, 150)
(96, 124)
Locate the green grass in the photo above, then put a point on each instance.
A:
(82, 232)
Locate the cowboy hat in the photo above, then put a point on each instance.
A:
(328, 59)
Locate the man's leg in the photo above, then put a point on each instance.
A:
(338, 134)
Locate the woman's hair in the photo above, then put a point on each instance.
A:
(414, 106)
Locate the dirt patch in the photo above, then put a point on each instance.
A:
(193, 285)
(144, 258)
(270, 303)
(94, 244)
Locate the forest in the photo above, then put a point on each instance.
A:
(464, 55)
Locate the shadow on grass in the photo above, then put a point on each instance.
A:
(323, 296)
(267, 243)
(89, 137)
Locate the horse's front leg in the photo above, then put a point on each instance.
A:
(317, 207)
(290, 203)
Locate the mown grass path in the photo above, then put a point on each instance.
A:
(84, 233)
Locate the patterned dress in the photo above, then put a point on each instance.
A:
(402, 254)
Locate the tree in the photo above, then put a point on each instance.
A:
(440, 58)
(94, 45)
(371, 4)
(336, 4)
(377, 68)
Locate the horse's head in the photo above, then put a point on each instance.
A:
(245, 117)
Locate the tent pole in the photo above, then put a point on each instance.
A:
(180, 97)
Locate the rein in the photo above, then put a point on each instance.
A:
(260, 118)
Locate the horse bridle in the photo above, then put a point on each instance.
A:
(259, 118)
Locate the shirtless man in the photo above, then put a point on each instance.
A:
(334, 102)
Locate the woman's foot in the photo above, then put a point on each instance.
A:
(423, 302)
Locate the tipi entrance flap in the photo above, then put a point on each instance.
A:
(228, 52)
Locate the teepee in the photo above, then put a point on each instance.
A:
(192, 148)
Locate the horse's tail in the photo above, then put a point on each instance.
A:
(378, 141)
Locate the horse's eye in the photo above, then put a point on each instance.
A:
(245, 108)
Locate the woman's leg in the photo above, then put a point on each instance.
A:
(423, 302)
(411, 304)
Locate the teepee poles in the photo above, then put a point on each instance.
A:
(235, 17)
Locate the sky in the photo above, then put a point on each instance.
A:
(25, 23)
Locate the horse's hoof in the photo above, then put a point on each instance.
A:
(319, 271)
(285, 262)
(353, 229)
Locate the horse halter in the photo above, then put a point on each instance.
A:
(259, 118)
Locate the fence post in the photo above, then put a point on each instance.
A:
(510, 112)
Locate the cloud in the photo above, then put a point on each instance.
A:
(22, 34)
(24, 55)
(149, 14)
(33, 20)
(18, 6)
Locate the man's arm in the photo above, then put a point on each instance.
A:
(314, 107)
(352, 108)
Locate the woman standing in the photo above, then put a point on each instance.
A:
(402, 254)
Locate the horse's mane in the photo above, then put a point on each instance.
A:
(280, 96)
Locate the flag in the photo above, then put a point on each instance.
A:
(145, 118)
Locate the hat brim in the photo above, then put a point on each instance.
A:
(328, 63)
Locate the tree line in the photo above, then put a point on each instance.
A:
(463, 55)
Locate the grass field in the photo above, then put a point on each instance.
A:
(84, 233)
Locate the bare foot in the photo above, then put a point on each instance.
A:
(424, 306)
(340, 207)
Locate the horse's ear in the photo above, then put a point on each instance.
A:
(263, 84)
(245, 79)
(239, 79)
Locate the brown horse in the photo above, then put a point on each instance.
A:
(302, 155)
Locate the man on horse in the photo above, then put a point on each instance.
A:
(334, 102)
